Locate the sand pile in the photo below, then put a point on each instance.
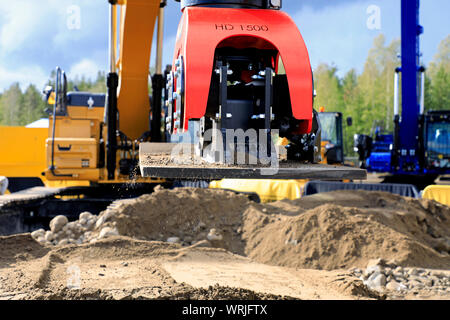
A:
(333, 236)
(184, 215)
(326, 231)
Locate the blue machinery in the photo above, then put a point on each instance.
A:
(420, 143)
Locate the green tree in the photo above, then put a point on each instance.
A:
(352, 108)
(376, 83)
(437, 94)
(32, 107)
(440, 90)
(11, 104)
(328, 88)
(441, 58)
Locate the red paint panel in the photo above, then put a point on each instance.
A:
(203, 29)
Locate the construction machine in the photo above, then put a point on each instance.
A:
(240, 79)
(418, 150)
(332, 136)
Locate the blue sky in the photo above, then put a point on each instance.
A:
(35, 36)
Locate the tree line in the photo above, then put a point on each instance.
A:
(368, 97)
(19, 108)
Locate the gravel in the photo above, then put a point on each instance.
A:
(63, 232)
(385, 277)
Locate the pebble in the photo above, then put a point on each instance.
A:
(427, 282)
(108, 232)
(415, 284)
(214, 235)
(376, 281)
(58, 222)
(38, 233)
(379, 279)
(100, 221)
(413, 272)
(372, 269)
(63, 242)
(201, 226)
(173, 240)
(380, 276)
(395, 286)
(49, 236)
(85, 216)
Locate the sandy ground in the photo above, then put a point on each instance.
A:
(301, 249)
(123, 268)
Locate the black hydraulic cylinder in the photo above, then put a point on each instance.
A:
(396, 145)
(157, 88)
(223, 97)
(268, 99)
(112, 82)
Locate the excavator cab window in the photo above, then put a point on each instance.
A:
(331, 131)
(329, 125)
(438, 145)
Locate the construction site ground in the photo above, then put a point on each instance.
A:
(213, 244)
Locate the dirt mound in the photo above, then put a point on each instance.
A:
(187, 214)
(128, 251)
(20, 247)
(184, 215)
(344, 229)
(326, 231)
(333, 230)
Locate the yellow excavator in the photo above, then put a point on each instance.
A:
(239, 66)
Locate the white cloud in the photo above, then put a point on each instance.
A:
(84, 68)
(25, 76)
(20, 20)
(92, 14)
